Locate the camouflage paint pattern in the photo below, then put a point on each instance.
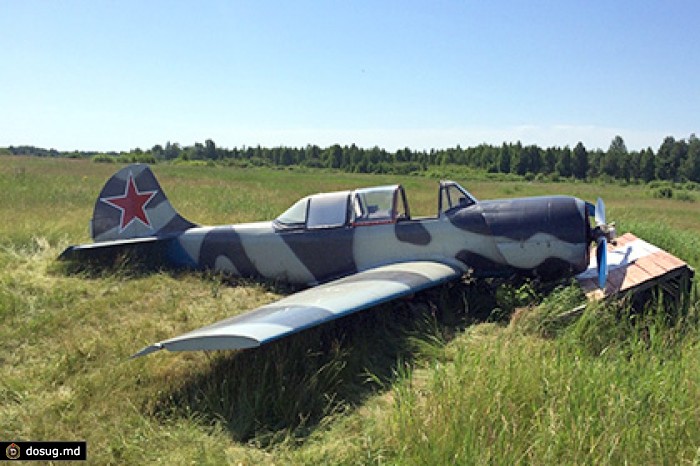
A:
(358, 264)
(541, 236)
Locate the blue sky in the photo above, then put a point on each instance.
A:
(115, 75)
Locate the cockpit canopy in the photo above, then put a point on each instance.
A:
(381, 204)
(365, 206)
(325, 210)
(452, 197)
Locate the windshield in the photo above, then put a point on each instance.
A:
(453, 196)
(296, 214)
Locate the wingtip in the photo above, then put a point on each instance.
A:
(147, 350)
(66, 254)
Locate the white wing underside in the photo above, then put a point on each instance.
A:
(313, 306)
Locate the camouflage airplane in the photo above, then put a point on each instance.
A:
(353, 249)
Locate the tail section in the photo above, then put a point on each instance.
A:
(133, 205)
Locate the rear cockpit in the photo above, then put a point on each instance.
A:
(381, 204)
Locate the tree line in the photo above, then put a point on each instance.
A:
(675, 160)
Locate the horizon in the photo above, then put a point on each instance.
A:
(299, 147)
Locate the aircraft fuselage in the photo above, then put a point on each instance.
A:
(542, 236)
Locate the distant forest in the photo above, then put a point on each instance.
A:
(675, 160)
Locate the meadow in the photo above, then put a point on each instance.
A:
(458, 375)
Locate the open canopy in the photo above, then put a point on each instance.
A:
(365, 206)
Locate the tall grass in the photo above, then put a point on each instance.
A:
(605, 391)
(286, 388)
(442, 379)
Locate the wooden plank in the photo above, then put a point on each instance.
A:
(622, 241)
(635, 275)
(673, 261)
(649, 266)
(667, 261)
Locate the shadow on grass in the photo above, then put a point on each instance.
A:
(130, 261)
(284, 389)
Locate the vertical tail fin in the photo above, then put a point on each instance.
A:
(133, 205)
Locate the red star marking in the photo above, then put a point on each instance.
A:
(131, 204)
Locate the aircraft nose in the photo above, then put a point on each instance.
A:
(586, 210)
(561, 217)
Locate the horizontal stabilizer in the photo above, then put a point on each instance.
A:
(312, 307)
(105, 253)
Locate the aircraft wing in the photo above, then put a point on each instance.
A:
(312, 307)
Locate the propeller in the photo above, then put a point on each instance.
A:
(599, 212)
(601, 234)
(601, 253)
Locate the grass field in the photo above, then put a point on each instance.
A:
(415, 382)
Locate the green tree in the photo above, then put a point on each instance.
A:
(198, 151)
(679, 153)
(635, 165)
(647, 163)
(210, 149)
(535, 158)
(488, 158)
(171, 151)
(375, 156)
(691, 165)
(550, 160)
(523, 161)
(664, 160)
(287, 157)
(312, 156)
(157, 151)
(579, 161)
(504, 159)
(333, 156)
(563, 166)
(615, 159)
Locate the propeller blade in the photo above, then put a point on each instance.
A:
(601, 254)
(600, 212)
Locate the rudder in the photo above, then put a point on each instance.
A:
(133, 205)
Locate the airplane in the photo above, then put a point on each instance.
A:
(352, 249)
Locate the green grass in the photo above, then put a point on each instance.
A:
(507, 400)
(415, 382)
